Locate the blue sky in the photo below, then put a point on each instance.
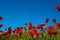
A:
(17, 12)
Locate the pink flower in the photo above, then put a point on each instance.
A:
(1, 25)
(37, 35)
(47, 19)
(54, 20)
(58, 7)
(1, 18)
(40, 26)
(57, 25)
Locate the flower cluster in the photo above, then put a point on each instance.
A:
(32, 31)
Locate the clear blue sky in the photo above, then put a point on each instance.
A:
(17, 12)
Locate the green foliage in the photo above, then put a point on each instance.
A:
(28, 37)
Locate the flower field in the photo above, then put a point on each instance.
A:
(31, 32)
